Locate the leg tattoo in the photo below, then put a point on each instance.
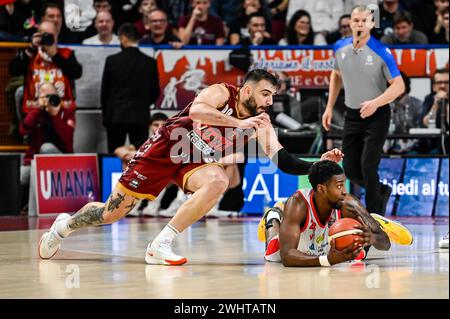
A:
(93, 215)
(115, 202)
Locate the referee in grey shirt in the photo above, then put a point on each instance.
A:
(364, 66)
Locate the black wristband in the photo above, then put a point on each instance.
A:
(290, 164)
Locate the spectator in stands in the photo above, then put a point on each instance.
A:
(99, 6)
(129, 86)
(201, 28)
(433, 101)
(257, 31)
(44, 62)
(175, 9)
(143, 25)
(443, 35)
(102, 5)
(22, 19)
(406, 113)
(278, 11)
(439, 25)
(324, 13)
(226, 10)
(53, 12)
(104, 25)
(432, 108)
(159, 31)
(404, 32)
(350, 4)
(388, 8)
(239, 27)
(48, 129)
(342, 32)
(300, 31)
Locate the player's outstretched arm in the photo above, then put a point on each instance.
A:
(373, 234)
(286, 162)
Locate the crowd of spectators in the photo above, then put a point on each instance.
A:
(206, 22)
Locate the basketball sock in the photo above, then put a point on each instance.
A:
(168, 233)
(62, 228)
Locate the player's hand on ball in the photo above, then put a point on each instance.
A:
(349, 253)
(334, 155)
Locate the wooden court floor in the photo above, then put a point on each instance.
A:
(225, 261)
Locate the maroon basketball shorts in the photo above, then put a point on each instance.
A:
(152, 169)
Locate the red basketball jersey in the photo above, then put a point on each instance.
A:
(212, 141)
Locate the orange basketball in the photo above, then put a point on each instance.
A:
(344, 232)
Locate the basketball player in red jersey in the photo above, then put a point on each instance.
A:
(185, 151)
(296, 233)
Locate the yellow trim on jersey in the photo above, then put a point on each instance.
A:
(135, 194)
(192, 171)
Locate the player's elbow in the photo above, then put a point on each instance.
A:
(287, 259)
(195, 113)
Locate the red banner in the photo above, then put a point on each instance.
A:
(185, 73)
(65, 183)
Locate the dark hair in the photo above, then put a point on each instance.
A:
(257, 75)
(50, 5)
(291, 34)
(109, 1)
(440, 71)
(342, 18)
(407, 82)
(129, 31)
(158, 117)
(402, 16)
(321, 172)
(258, 15)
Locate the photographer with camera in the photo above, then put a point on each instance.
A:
(44, 62)
(48, 129)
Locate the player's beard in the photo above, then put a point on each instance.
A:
(251, 106)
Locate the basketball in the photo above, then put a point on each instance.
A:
(344, 232)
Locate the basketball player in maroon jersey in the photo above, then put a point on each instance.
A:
(185, 151)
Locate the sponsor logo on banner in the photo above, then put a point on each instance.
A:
(185, 73)
(65, 183)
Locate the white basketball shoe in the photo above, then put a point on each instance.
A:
(51, 240)
(160, 253)
(443, 243)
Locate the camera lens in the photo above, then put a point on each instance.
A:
(54, 100)
(47, 39)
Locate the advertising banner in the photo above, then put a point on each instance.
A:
(65, 182)
(184, 73)
(420, 185)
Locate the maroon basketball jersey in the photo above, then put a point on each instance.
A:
(212, 141)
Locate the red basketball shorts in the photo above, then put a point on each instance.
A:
(152, 169)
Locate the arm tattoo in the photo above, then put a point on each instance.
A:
(93, 215)
(115, 202)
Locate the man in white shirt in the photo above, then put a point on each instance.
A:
(104, 25)
(324, 13)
